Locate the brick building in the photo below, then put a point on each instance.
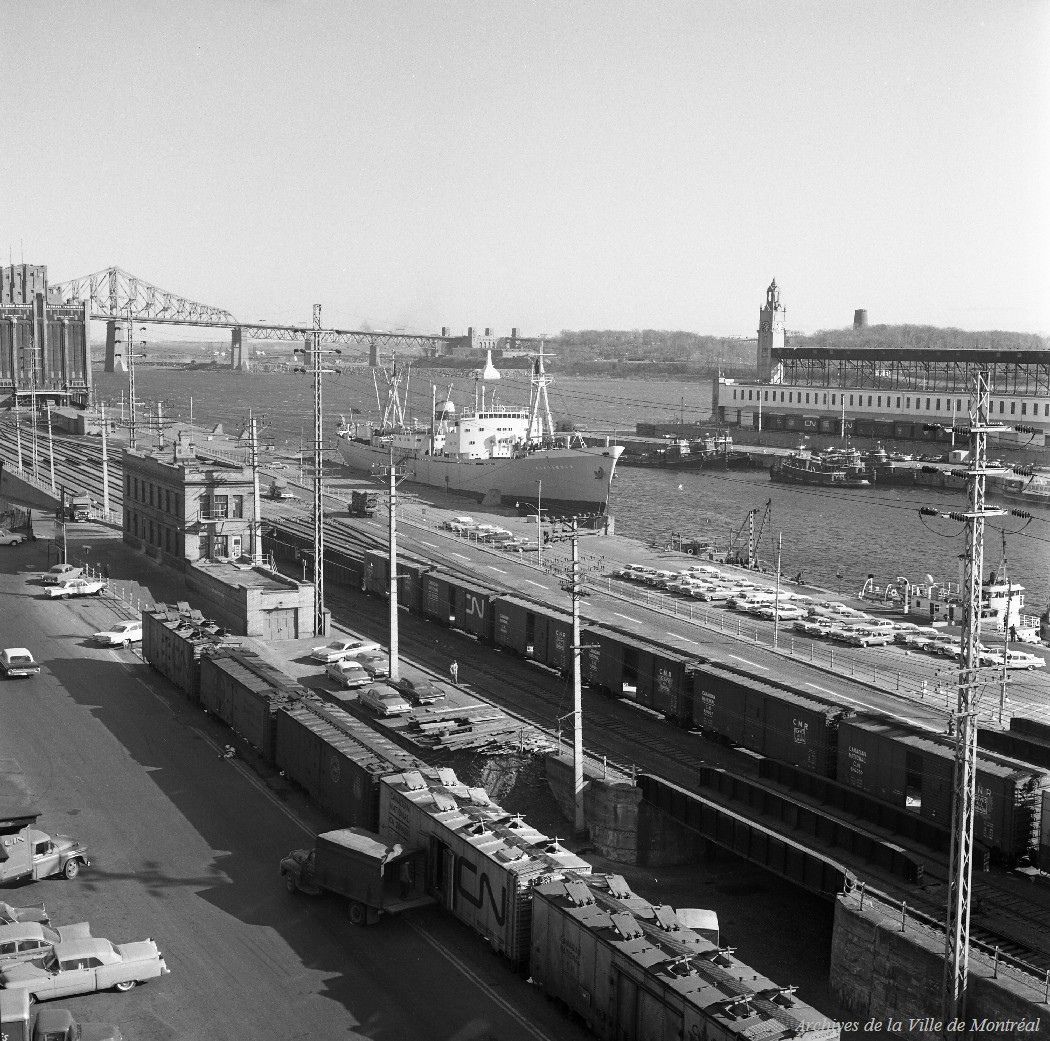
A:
(178, 508)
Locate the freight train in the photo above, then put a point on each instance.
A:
(888, 764)
(626, 967)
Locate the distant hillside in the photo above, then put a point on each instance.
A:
(922, 337)
(620, 351)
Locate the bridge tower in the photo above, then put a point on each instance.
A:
(116, 346)
(238, 360)
(770, 336)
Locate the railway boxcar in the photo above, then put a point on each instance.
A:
(903, 431)
(773, 421)
(828, 425)
(726, 705)
(601, 663)
(173, 645)
(913, 770)
(521, 626)
(630, 969)
(410, 584)
(557, 642)
(376, 572)
(439, 598)
(482, 862)
(471, 608)
(801, 731)
(299, 740)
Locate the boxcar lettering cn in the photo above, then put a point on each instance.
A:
(480, 887)
(475, 606)
(801, 731)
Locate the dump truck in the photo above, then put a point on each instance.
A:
(26, 852)
(376, 878)
(80, 508)
(363, 504)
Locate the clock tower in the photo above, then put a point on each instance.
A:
(770, 336)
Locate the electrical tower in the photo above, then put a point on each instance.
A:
(957, 941)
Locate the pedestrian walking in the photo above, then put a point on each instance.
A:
(453, 671)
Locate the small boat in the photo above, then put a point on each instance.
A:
(835, 468)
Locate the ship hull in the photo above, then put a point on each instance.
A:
(574, 480)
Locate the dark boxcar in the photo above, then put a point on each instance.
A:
(173, 646)
(472, 609)
(602, 663)
(811, 423)
(864, 427)
(801, 731)
(829, 425)
(511, 622)
(410, 584)
(773, 421)
(723, 704)
(299, 745)
(438, 598)
(665, 683)
(902, 431)
(377, 572)
(792, 422)
(558, 654)
(347, 786)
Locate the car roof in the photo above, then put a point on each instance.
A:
(83, 948)
(12, 651)
(22, 931)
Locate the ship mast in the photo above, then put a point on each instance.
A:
(541, 426)
(394, 411)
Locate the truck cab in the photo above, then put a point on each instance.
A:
(363, 504)
(26, 852)
(376, 878)
(52, 1024)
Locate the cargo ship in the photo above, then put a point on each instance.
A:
(495, 454)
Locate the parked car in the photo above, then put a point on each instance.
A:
(345, 648)
(868, 638)
(1023, 660)
(808, 628)
(32, 942)
(76, 587)
(17, 661)
(120, 634)
(786, 613)
(10, 915)
(375, 663)
(348, 673)
(86, 966)
(422, 692)
(384, 702)
(11, 538)
(60, 573)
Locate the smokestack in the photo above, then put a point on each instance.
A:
(860, 318)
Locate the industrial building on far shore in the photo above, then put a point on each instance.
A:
(890, 393)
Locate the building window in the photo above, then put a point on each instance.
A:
(1002, 407)
(237, 506)
(851, 399)
(1024, 407)
(832, 399)
(127, 485)
(898, 402)
(807, 397)
(938, 403)
(927, 404)
(167, 539)
(958, 405)
(220, 506)
(135, 524)
(825, 398)
(880, 401)
(869, 401)
(907, 402)
(1046, 410)
(765, 396)
(167, 501)
(1013, 407)
(781, 397)
(178, 504)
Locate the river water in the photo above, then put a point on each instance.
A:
(835, 539)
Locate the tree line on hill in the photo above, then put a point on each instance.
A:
(622, 351)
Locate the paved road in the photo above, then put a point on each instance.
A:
(185, 847)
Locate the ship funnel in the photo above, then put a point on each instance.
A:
(490, 372)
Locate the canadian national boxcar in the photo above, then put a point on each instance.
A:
(482, 862)
(522, 626)
(913, 770)
(410, 584)
(471, 608)
(630, 969)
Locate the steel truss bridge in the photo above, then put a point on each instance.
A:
(117, 296)
(1019, 373)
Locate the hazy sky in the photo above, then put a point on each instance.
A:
(557, 165)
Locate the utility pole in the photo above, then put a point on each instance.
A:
(539, 522)
(957, 941)
(392, 475)
(776, 603)
(256, 504)
(18, 428)
(575, 590)
(105, 461)
(132, 406)
(51, 447)
(36, 461)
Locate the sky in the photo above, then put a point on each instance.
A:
(545, 165)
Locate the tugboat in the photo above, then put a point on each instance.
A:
(835, 468)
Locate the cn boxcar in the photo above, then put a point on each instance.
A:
(913, 770)
(483, 862)
(471, 608)
(521, 626)
(630, 969)
(376, 572)
(410, 584)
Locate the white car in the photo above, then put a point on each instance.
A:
(1023, 660)
(11, 538)
(122, 634)
(385, 702)
(60, 573)
(76, 587)
(346, 648)
(17, 661)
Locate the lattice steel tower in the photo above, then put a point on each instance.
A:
(957, 942)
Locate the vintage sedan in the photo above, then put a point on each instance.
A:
(32, 942)
(12, 538)
(348, 673)
(60, 573)
(375, 663)
(122, 634)
(346, 648)
(17, 661)
(11, 915)
(58, 1024)
(76, 587)
(384, 702)
(85, 966)
(422, 692)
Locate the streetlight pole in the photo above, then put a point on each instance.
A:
(105, 461)
(18, 428)
(539, 522)
(393, 651)
(51, 447)
(776, 603)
